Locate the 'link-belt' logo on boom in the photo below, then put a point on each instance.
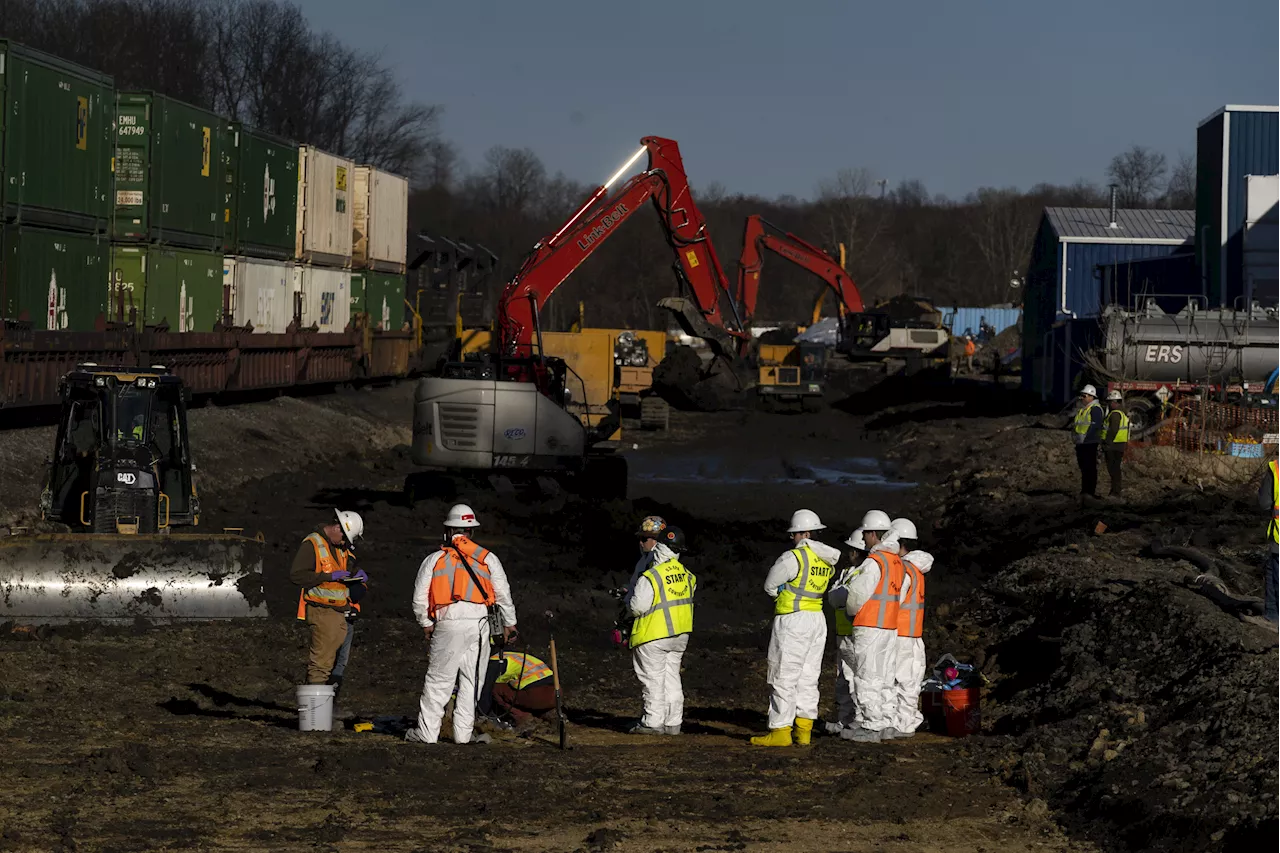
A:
(610, 219)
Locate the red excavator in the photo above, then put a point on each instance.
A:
(759, 235)
(504, 412)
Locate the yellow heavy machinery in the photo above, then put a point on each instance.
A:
(119, 493)
(791, 374)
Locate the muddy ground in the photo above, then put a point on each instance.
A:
(1125, 710)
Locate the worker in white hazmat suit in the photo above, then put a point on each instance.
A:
(797, 582)
(844, 637)
(660, 598)
(910, 667)
(871, 602)
(452, 596)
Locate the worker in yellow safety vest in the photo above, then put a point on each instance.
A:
(797, 583)
(1087, 433)
(660, 598)
(1269, 501)
(1115, 438)
(518, 685)
(323, 567)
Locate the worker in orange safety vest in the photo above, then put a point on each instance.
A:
(323, 568)
(869, 595)
(910, 667)
(457, 587)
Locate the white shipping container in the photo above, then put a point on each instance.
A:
(261, 293)
(325, 196)
(380, 220)
(326, 297)
(1262, 238)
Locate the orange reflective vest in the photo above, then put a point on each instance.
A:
(450, 580)
(911, 611)
(881, 609)
(330, 593)
(969, 348)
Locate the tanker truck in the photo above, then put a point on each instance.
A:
(1155, 357)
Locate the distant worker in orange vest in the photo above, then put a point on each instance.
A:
(458, 588)
(909, 671)
(970, 350)
(870, 593)
(325, 567)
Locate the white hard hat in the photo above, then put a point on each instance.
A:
(855, 540)
(1090, 390)
(1115, 395)
(876, 521)
(804, 520)
(461, 515)
(351, 523)
(904, 527)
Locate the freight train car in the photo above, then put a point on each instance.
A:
(217, 250)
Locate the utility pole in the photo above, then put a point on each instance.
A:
(883, 183)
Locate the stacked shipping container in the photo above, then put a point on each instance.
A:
(135, 211)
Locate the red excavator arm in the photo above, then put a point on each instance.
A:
(759, 235)
(554, 258)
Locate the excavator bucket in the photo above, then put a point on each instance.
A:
(59, 578)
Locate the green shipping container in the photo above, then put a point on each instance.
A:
(55, 141)
(180, 288)
(261, 195)
(170, 173)
(54, 280)
(382, 298)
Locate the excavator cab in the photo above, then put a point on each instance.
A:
(121, 461)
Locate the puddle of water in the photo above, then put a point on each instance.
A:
(712, 469)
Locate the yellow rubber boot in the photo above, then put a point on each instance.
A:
(775, 737)
(803, 731)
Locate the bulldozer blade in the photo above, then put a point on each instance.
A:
(59, 578)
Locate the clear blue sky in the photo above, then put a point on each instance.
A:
(769, 97)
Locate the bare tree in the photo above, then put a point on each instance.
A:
(850, 215)
(1180, 194)
(1138, 174)
(1002, 224)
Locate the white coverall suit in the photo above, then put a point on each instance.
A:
(874, 650)
(657, 662)
(459, 651)
(796, 645)
(910, 668)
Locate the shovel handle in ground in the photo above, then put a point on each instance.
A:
(555, 679)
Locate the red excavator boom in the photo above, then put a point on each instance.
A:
(759, 235)
(554, 258)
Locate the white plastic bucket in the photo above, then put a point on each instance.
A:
(315, 707)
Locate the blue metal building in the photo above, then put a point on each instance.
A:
(1234, 142)
(1073, 248)
(958, 319)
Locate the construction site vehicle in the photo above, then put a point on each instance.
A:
(634, 359)
(903, 328)
(503, 414)
(795, 373)
(120, 480)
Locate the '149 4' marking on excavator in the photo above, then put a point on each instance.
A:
(606, 222)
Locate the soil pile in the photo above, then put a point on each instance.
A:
(1141, 709)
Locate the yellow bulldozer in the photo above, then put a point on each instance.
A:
(122, 505)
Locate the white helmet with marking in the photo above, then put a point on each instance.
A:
(351, 523)
(855, 540)
(461, 515)
(1090, 391)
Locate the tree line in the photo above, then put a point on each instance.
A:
(261, 62)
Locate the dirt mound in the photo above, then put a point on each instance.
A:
(687, 382)
(1121, 692)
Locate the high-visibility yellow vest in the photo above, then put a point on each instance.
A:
(672, 612)
(522, 669)
(1084, 418)
(806, 589)
(1122, 434)
(1273, 529)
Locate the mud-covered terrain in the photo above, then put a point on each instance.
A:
(1125, 711)
(134, 738)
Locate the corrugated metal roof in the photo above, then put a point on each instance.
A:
(1140, 226)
